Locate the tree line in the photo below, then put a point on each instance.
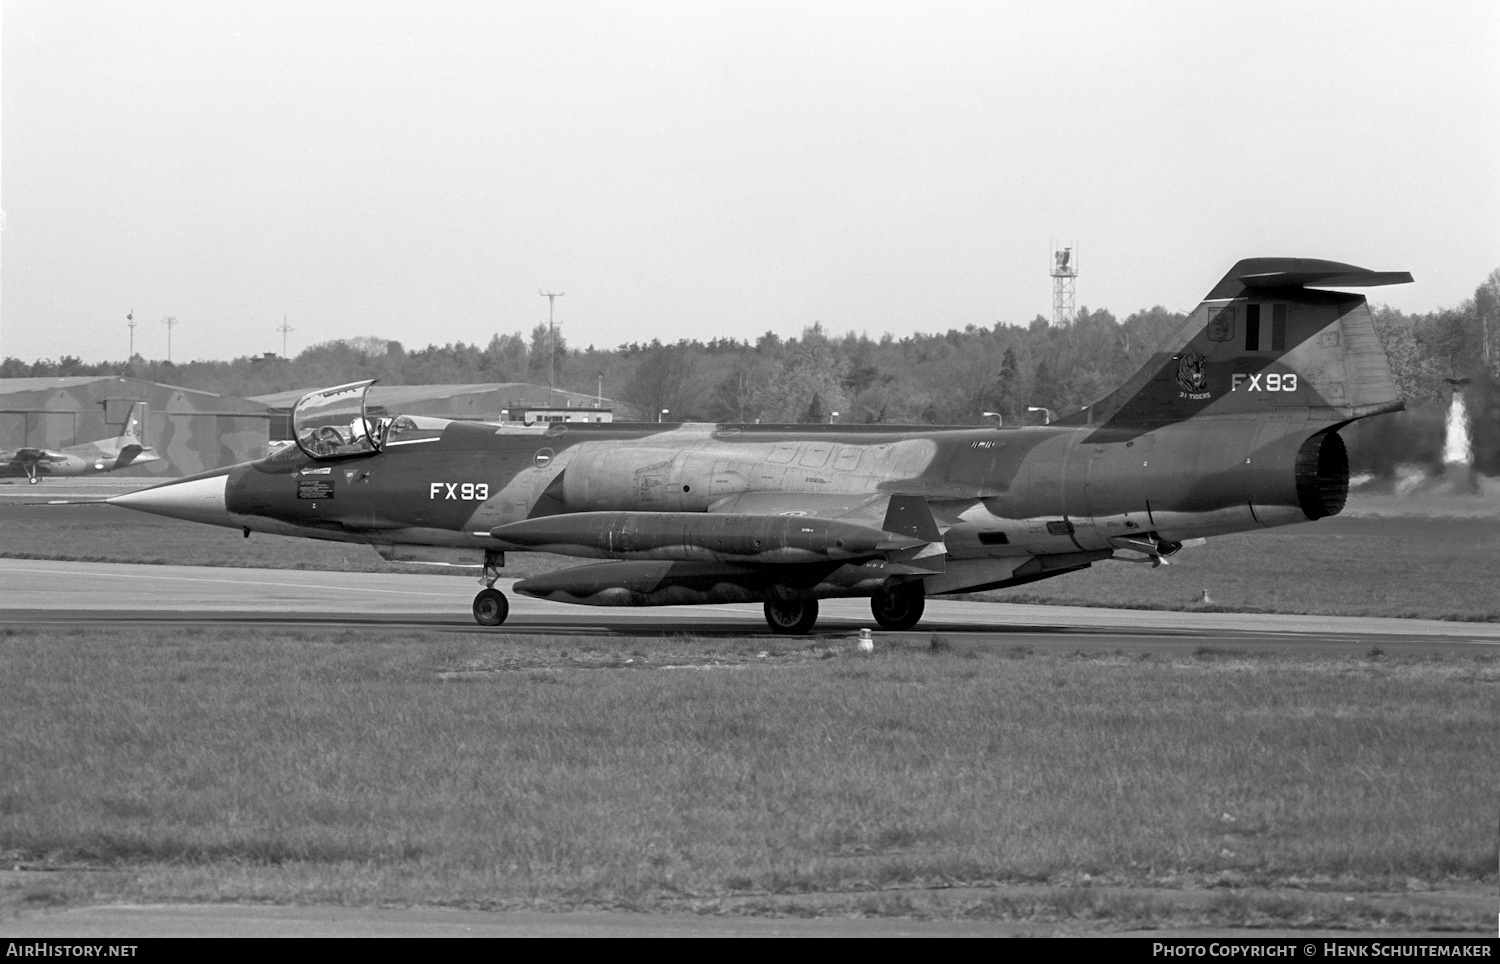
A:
(1021, 373)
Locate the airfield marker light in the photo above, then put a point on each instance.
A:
(866, 641)
(833, 418)
(663, 416)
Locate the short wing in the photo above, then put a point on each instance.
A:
(861, 507)
(901, 514)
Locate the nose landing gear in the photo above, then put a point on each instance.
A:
(490, 606)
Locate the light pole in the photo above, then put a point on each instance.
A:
(1046, 413)
(171, 323)
(999, 419)
(551, 297)
(833, 418)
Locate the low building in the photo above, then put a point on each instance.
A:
(192, 431)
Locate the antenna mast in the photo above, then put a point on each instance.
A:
(284, 328)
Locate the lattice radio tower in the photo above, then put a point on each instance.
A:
(1064, 285)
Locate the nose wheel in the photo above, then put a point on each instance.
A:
(490, 607)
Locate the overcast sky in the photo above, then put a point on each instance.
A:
(420, 171)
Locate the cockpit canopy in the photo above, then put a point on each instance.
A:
(342, 422)
(333, 423)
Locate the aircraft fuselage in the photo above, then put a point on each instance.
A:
(998, 492)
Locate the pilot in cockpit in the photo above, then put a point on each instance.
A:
(378, 428)
(361, 435)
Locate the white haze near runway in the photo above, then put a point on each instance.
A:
(1458, 440)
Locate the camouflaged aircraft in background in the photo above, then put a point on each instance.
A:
(1233, 429)
(88, 458)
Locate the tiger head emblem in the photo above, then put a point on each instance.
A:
(1191, 374)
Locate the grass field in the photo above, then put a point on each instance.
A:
(933, 779)
(1396, 567)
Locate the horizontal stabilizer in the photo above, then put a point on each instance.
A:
(1257, 273)
(1293, 279)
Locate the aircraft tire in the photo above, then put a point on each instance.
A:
(794, 618)
(490, 607)
(900, 607)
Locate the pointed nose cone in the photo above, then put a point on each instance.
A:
(196, 500)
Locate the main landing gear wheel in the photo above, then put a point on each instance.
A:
(899, 607)
(490, 607)
(794, 618)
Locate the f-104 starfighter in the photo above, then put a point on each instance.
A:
(1234, 427)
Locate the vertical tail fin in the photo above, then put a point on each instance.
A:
(127, 447)
(130, 428)
(1265, 339)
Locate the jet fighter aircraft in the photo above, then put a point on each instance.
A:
(1234, 428)
(88, 458)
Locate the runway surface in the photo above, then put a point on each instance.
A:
(38, 593)
(255, 920)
